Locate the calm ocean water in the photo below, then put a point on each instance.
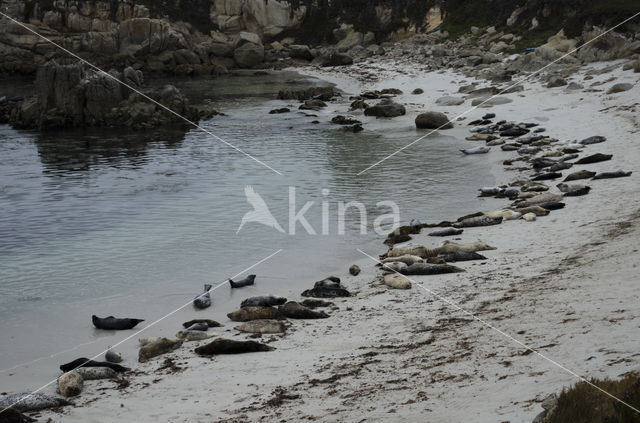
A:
(133, 223)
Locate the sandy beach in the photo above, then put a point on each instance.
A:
(564, 285)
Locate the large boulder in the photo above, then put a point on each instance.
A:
(249, 55)
(336, 59)
(303, 52)
(386, 108)
(433, 120)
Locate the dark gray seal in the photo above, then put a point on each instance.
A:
(263, 301)
(609, 175)
(327, 288)
(594, 158)
(112, 356)
(296, 310)
(546, 176)
(581, 174)
(593, 140)
(551, 205)
(85, 362)
(461, 256)
(230, 346)
(249, 280)
(203, 300)
(113, 323)
(430, 269)
(577, 192)
(446, 232)
(210, 323)
(478, 221)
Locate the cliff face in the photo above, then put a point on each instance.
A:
(209, 36)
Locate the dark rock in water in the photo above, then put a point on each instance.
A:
(344, 120)
(578, 192)
(547, 176)
(316, 303)
(461, 256)
(581, 174)
(297, 51)
(318, 93)
(417, 91)
(229, 346)
(354, 270)
(209, 323)
(429, 269)
(385, 108)
(446, 232)
(85, 362)
(278, 111)
(313, 104)
(609, 175)
(353, 128)
(593, 140)
(594, 158)
(390, 91)
(78, 96)
(327, 288)
(359, 104)
(538, 130)
(489, 116)
(294, 310)
(479, 122)
(551, 205)
(433, 120)
(336, 59)
(478, 221)
(514, 132)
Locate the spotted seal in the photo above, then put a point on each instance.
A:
(70, 384)
(203, 300)
(209, 323)
(594, 158)
(246, 314)
(193, 335)
(407, 259)
(249, 280)
(262, 326)
(465, 247)
(581, 174)
(446, 232)
(156, 348)
(396, 281)
(95, 373)
(112, 356)
(476, 150)
(413, 250)
(27, 401)
(478, 221)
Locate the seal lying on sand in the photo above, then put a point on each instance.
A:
(568, 187)
(70, 384)
(262, 326)
(529, 217)
(413, 250)
(446, 232)
(430, 269)
(396, 281)
(202, 327)
(581, 174)
(552, 205)
(9, 415)
(505, 214)
(316, 303)
(295, 310)
(113, 323)
(465, 247)
(609, 175)
(594, 158)
(246, 314)
(354, 270)
(193, 335)
(577, 192)
(407, 259)
(85, 362)
(203, 300)
(156, 348)
(95, 373)
(537, 210)
(327, 288)
(263, 301)
(249, 280)
(112, 356)
(27, 401)
(461, 256)
(229, 346)
(537, 199)
(478, 221)
(210, 323)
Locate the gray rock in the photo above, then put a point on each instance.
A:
(249, 55)
(618, 88)
(556, 81)
(298, 51)
(449, 101)
(433, 120)
(385, 108)
(336, 59)
(491, 101)
(574, 86)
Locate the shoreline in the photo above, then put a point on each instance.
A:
(364, 360)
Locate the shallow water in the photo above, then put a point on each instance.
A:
(133, 223)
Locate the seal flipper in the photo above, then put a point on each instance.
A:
(232, 283)
(207, 287)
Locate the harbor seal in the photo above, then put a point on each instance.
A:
(413, 250)
(210, 323)
(465, 247)
(505, 214)
(311, 303)
(478, 221)
(27, 401)
(461, 256)
(560, 166)
(581, 174)
(327, 288)
(193, 335)
(406, 259)
(230, 346)
(249, 280)
(537, 199)
(430, 269)
(594, 158)
(592, 140)
(296, 310)
(476, 150)
(394, 266)
(70, 384)
(546, 176)
(95, 373)
(529, 217)
(263, 301)
(202, 327)
(537, 210)
(147, 340)
(113, 323)
(262, 326)
(246, 314)
(552, 205)
(112, 356)
(156, 348)
(354, 270)
(85, 362)
(609, 175)
(446, 232)
(203, 300)
(568, 187)
(577, 192)
(396, 281)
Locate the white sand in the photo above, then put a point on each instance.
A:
(565, 284)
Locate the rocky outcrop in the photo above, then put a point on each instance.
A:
(75, 96)
(433, 120)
